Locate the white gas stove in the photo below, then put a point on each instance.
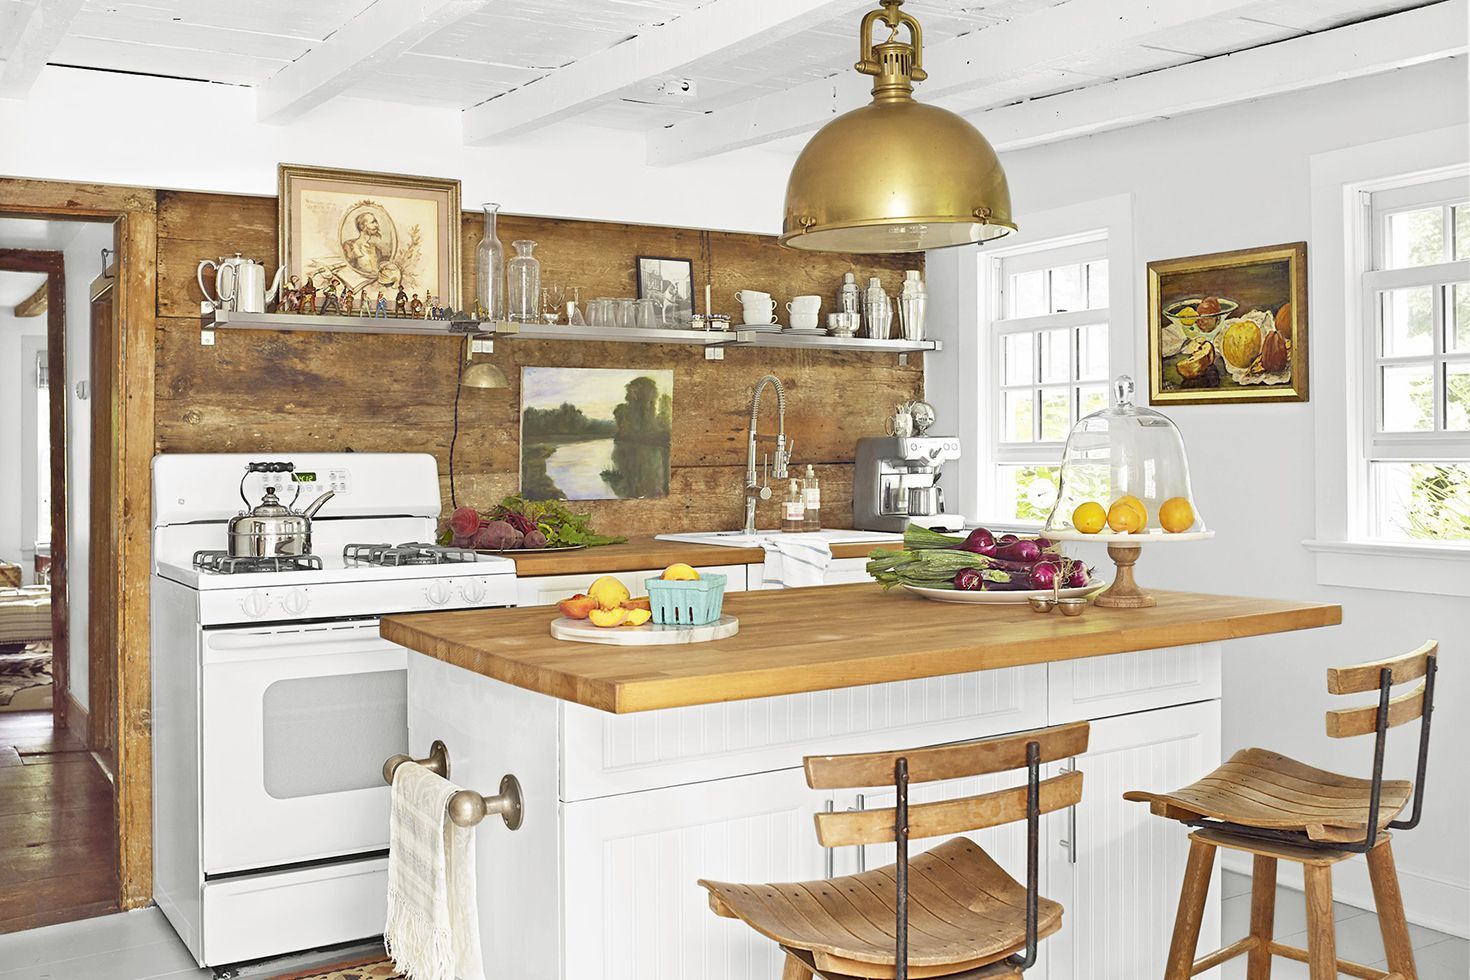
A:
(275, 701)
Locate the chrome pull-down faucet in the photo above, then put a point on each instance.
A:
(755, 489)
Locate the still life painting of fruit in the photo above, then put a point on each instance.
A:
(1229, 327)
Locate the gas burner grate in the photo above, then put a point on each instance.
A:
(411, 553)
(227, 564)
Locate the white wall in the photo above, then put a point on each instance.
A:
(1233, 178)
(570, 170)
(83, 264)
(16, 373)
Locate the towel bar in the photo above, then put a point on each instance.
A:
(466, 808)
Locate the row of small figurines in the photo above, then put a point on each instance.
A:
(299, 297)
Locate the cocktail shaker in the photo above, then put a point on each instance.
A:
(849, 300)
(913, 302)
(877, 311)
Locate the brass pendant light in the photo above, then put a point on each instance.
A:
(895, 175)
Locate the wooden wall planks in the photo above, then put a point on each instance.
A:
(284, 392)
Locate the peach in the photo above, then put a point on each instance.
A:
(578, 606)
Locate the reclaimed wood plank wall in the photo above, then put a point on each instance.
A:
(270, 391)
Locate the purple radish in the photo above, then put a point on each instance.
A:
(1044, 543)
(1078, 578)
(1026, 551)
(968, 580)
(1043, 575)
(1007, 539)
(980, 542)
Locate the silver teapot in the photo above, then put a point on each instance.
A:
(272, 529)
(239, 284)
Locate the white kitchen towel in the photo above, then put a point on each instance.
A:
(795, 560)
(433, 929)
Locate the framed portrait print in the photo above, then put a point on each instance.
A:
(1229, 327)
(372, 232)
(671, 281)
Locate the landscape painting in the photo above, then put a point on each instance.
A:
(595, 433)
(1229, 327)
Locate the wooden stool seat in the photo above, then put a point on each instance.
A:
(1260, 788)
(965, 913)
(1277, 850)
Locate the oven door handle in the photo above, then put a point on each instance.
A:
(234, 647)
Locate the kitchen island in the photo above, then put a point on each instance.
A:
(644, 769)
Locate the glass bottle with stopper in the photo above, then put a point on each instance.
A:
(1125, 481)
(490, 269)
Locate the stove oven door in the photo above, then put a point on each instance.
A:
(297, 721)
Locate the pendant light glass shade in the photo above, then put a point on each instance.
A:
(895, 175)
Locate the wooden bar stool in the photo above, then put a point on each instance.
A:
(950, 912)
(1277, 809)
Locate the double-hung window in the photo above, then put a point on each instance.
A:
(1048, 320)
(1416, 313)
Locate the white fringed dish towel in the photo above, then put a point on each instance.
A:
(433, 928)
(795, 560)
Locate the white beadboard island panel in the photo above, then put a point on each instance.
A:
(1100, 687)
(605, 753)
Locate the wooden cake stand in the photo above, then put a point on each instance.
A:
(1125, 550)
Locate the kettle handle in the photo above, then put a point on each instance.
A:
(214, 301)
(263, 468)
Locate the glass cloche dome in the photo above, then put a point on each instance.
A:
(1124, 450)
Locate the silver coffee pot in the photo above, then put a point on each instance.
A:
(239, 285)
(270, 528)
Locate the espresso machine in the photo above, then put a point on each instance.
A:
(896, 481)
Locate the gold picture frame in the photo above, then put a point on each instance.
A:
(370, 231)
(1229, 327)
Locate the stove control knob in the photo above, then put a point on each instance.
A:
(255, 603)
(473, 591)
(438, 593)
(295, 602)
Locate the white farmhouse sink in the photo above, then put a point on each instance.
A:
(739, 539)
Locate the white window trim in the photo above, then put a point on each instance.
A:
(30, 347)
(956, 378)
(1344, 557)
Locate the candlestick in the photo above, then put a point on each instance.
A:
(707, 308)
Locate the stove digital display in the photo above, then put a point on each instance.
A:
(301, 476)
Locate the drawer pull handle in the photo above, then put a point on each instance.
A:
(467, 808)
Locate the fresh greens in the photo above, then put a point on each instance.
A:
(563, 528)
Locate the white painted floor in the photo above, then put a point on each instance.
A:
(141, 946)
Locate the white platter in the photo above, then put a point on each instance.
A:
(1000, 598)
(647, 635)
(1151, 536)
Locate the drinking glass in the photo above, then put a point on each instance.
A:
(626, 315)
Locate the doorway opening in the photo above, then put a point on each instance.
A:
(59, 841)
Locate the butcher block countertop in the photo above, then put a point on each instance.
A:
(815, 639)
(642, 553)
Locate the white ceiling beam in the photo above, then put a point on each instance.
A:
(1047, 38)
(722, 28)
(382, 32)
(1367, 48)
(36, 28)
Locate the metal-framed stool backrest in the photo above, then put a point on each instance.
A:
(903, 822)
(1389, 712)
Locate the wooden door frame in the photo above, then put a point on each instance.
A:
(52, 266)
(135, 211)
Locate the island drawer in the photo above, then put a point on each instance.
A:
(1122, 683)
(605, 754)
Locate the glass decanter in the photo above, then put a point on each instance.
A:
(523, 284)
(490, 268)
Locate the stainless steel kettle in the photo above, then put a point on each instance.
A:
(239, 284)
(271, 528)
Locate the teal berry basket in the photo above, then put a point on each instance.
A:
(696, 603)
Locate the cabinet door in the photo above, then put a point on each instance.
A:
(633, 908)
(842, 571)
(1115, 866)
(547, 590)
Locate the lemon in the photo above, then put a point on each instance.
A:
(1137, 505)
(679, 572)
(1089, 517)
(1176, 515)
(1123, 518)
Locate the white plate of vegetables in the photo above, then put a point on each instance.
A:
(980, 567)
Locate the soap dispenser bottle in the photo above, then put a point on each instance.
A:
(811, 491)
(793, 511)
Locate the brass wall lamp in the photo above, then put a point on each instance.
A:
(895, 175)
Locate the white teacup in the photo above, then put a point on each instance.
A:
(803, 321)
(804, 305)
(757, 315)
(751, 297)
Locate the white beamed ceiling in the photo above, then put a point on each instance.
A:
(472, 55)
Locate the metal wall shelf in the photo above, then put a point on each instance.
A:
(210, 321)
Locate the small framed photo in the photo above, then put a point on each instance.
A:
(1229, 327)
(671, 281)
(372, 232)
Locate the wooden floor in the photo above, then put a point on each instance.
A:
(58, 843)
